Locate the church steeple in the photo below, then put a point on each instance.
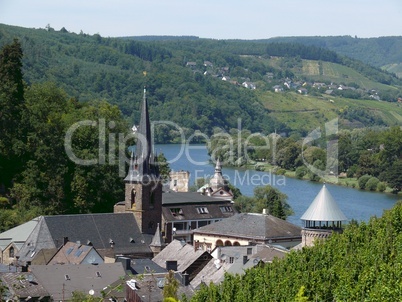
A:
(143, 193)
(217, 181)
(143, 167)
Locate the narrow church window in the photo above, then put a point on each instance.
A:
(11, 252)
(133, 193)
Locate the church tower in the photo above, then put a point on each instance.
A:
(143, 187)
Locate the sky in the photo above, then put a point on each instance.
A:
(215, 19)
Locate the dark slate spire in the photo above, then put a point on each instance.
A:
(143, 167)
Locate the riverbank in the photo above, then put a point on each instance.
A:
(332, 179)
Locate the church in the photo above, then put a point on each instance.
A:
(139, 226)
(132, 230)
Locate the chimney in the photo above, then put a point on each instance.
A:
(265, 211)
(25, 267)
(185, 280)
(171, 265)
(65, 240)
(245, 259)
(126, 262)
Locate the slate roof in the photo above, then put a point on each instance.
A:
(172, 197)
(265, 253)
(184, 254)
(82, 277)
(72, 253)
(213, 272)
(252, 226)
(143, 168)
(147, 266)
(95, 229)
(323, 208)
(17, 234)
(188, 202)
(23, 285)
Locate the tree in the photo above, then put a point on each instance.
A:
(265, 197)
(12, 135)
(164, 168)
(171, 286)
(394, 176)
(287, 155)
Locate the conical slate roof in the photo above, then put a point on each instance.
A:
(324, 208)
(142, 166)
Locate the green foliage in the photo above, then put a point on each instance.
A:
(381, 186)
(163, 166)
(362, 181)
(92, 67)
(300, 297)
(301, 172)
(362, 264)
(372, 184)
(12, 127)
(394, 175)
(78, 296)
(170, 287)
(265, 197)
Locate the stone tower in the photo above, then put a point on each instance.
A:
(143, 187)
(321, 219)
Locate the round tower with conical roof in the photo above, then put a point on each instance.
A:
(322, 218)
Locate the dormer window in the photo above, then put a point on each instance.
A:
(176, 211)
(226, 209)
(202, 210)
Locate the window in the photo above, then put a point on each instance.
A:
(202, 210)
(176, 211)
(11, 252)
(231, 259)
(202, 223)
(249, 251)
(226, 209)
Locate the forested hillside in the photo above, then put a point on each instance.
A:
(384, 52)
(184, 79)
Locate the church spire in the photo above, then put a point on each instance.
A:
(144, 167)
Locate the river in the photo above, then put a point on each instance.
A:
(355, 204)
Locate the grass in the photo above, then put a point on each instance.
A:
(309, 112)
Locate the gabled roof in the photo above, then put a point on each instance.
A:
(214, 271)
(74, 253)
(17, 234)
(252, 226)
(157, 240)
(184, 254)
(323, 208)
(147, 266)
(115, 233)
(82, 278)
